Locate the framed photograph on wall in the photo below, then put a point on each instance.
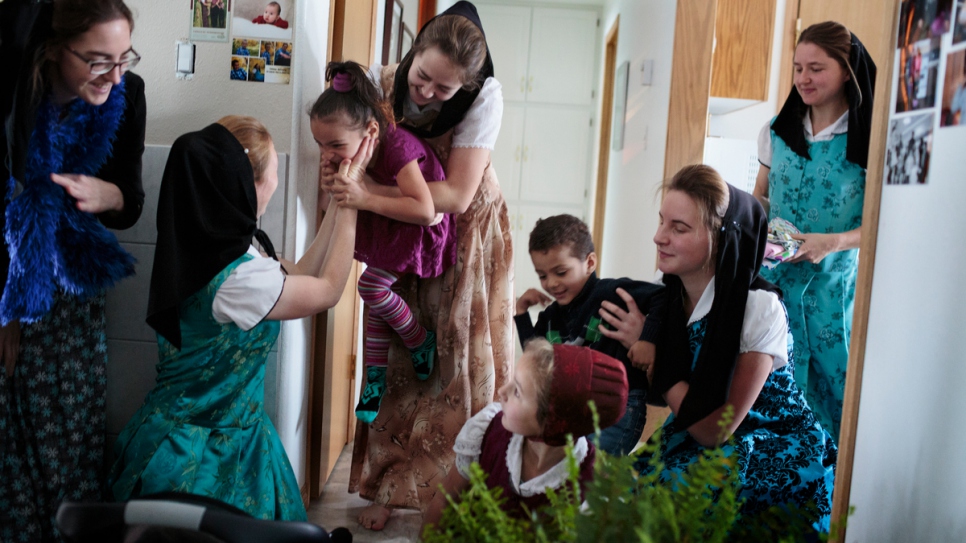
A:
(620, 104)
(407, 37)
(392, 33)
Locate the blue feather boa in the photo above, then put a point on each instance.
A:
(52, 244)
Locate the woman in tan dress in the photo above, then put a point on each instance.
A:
(443, 91)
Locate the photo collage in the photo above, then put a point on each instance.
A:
(261, 61)
(930, 85)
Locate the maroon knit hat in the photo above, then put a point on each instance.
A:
(579, 375)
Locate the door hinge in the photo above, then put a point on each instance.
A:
(352, 367)
(598, 22)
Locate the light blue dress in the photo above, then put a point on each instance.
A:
(821, 195)
(203, 428)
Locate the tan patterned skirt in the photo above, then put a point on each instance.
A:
(401, 458)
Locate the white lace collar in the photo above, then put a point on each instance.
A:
(553, 478)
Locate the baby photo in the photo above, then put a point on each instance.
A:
(269, 19)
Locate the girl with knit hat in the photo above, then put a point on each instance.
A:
(519, 442)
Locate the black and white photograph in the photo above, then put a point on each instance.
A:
(909, 149)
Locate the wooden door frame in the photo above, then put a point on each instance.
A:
(606, 123)
(863, 288)
(345, 41)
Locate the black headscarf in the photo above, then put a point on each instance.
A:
(788, 124)
(206, 219)
(741, 247)
(454, 109)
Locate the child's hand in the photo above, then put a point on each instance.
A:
(531, 298)
(641, 355)
(627, 325)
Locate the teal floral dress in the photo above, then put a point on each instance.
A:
(821, 195)
(203, 428)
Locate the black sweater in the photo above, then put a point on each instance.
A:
(19, 111)
(571, 321)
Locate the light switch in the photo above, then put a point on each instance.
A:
(647, 72)
(185, 58)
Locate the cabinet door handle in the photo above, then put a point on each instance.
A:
(526, 152)
(516, 154)
(530, 86)
(523, 83)
(520, 222)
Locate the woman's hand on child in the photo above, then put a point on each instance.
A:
(531, 298)
(348, 187)
(93, 195)
(814, 247)
(627, 325)
(641, 355)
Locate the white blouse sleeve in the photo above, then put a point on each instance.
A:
(375, 75)
(249, 293)
(469, 442)
(765, 328)
(481, 125)
(764, 145)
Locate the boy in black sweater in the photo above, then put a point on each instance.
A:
(563, 256)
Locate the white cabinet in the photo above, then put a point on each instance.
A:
(562, 38)
(556, 155)
(508, 37)
(545, 58)
(544, 55)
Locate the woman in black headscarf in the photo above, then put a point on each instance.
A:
(215, 303)
(813, 162)
(443, 91)
(724, 346)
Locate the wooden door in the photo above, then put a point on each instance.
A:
(508, 37)
(332, 384)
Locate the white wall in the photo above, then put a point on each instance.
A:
(910, 456)
(636, 172)
(178, 106)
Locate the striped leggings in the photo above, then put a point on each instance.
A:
(387, 312)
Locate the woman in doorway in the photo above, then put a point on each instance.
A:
(444, 92)
(70, 157)
(813, 162)
(215, 303)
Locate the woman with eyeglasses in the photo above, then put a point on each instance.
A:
(74, 122)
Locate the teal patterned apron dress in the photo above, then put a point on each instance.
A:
(784, 455)
(203, 428)
(822, 195)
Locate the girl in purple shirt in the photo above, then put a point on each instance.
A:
(396, 236)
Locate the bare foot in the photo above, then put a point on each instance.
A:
(374, 517)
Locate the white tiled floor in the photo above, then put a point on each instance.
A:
(336, 507)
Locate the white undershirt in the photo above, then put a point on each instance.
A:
(840, 126)
(250, 292)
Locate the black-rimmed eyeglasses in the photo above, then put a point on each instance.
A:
(101, 67)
